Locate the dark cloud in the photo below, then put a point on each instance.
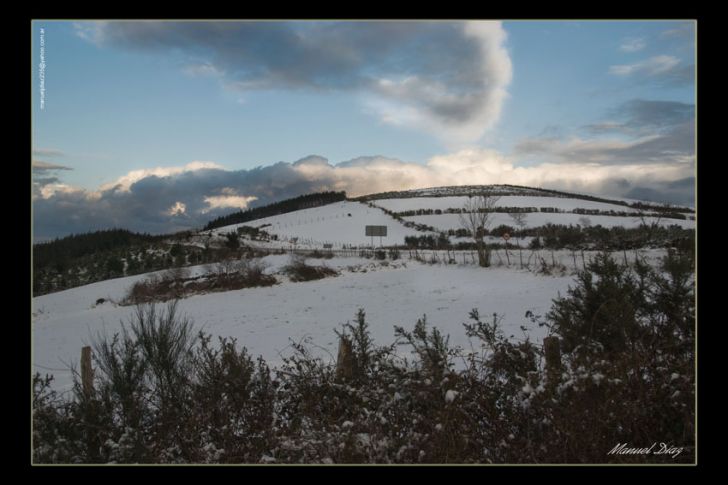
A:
(41, 166)
(448, 72)
(673, 145)
(656, 132)
(46, 180)
(681, 193)
(145, 206)
(686, 183)
(325, 55)
(43, 174)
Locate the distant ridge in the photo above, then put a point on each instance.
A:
(505, 189)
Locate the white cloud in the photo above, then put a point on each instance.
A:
(650, 67)
(227, 201)
(632, 44)
(204, 69)
(49, 190)
(90, 31)
(177, 209)
(481, 166)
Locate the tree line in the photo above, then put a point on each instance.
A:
(290, 205)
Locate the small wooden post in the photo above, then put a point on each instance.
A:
(552, 352)
(87, 376)
(345, 360)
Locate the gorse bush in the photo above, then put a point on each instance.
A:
(626, 376)
(298, 270)
(619, 308)
(175, 283)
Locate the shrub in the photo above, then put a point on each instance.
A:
(175, 283)
(298, 270)
(232, 241)
(321, 254)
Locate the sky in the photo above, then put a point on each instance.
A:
(162, 126)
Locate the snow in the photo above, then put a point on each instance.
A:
(264, 319)
(450, 395)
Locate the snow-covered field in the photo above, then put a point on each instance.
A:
(264, 319)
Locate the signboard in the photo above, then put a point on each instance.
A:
(506, 236)
(380, 231)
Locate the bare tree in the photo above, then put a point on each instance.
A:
(519, 219)
(476, 216)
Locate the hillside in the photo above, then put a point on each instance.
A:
(436, 210)
(423, 218)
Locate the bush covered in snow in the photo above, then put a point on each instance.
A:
(626, 375)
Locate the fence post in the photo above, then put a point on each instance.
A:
(345, 360)
(552, 352)
(87, 376)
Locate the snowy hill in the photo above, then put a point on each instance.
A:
(342, 223)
